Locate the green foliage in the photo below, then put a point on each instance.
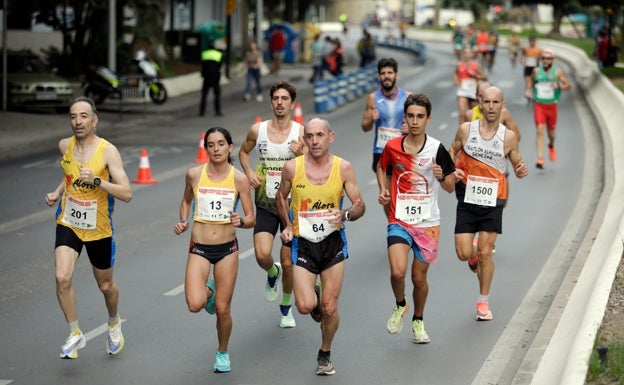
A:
(612, 371)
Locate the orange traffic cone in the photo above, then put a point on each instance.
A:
(145, 172)
(202, 155)
(258, 119)
(298, 113)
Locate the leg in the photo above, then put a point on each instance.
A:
(64, 263)
(204, 94)
(462, 105)
(539, 140)
(225, 272)
(421, 287)
(108, 287)
(303, 287)
(287, 269)
(263, 245)
(331, 281)
(397, 257)
(485, 271)
(464, 247)
(195, 290)
(217, 98)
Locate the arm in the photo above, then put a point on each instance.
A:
(119, 187)
(382, 182)
(564, 84)
(508, 121)
(298, 147)
(243, 156)
(244, 192)
(352, 191)
(281, 200)
(456, 146)
(370, 114)
(444, 170)
(511, 144)
(52, 197)
(185, 204)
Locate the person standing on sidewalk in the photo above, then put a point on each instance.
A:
(546, 83)
(420, 166)
(314, 223)
(276, 141)
(277, 48)
(253, 63)
(216, 188)
(94, 178)
(480, 151)
(211, 72)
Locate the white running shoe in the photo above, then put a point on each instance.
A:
(395, 322)
(287, 321)
(270, 288)
(420, 335)
(72, 344)
(115, 341)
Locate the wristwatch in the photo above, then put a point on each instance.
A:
(347, 215)
(442, 179)
(97, 181)
(242, 221)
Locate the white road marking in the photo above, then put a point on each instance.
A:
(442, 127)
(91, 334)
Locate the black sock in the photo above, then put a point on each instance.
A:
(323, 354)
(402, 303)
(414, 318)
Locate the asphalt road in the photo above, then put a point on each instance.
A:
(165, 344)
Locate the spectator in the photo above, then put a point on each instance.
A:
(277, 45)
(253, 62)
(335, 59)
(318, 54)
(366, 49)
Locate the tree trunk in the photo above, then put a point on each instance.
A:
(557, 16)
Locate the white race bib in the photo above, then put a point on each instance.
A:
(272, 182)
(413, 208)
(481, 191)
(81, 214)
(214, 204)
(314, 226)
(530, 62)
(545, 90)
(469, 85)
(384, 134)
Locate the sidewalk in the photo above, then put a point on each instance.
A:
(28, 132)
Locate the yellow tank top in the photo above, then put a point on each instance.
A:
(310, 201)
(214, 199)
(476, 113)
(85, 208)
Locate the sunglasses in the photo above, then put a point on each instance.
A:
(546, 58)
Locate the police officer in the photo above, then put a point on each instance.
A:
(211, 72)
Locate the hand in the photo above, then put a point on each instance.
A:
(51, 198)
(86, 175)
(438, 173)
(181, 227)
(296, 147)
(374, 114)
(236, 219)
(521, 169)
(254, 180)
(459, 174)
(287, 234)
(384, 197)
(335, 217)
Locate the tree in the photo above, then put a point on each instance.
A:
(561, 8)
(478, 8)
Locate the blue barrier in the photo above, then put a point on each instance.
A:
(352, 88)
(320, 97)
(332, 96)
(342, 89)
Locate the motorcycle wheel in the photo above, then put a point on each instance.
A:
(158, 93)
(94, 93)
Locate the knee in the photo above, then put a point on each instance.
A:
(63, 281)
(195, 303)
(420, 283)
(330, 308)
(107, 287)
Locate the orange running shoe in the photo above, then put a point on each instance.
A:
(483, 312)
(473, 263)
(540, 163)
(552, 153)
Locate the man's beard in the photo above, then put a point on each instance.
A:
(388, 88)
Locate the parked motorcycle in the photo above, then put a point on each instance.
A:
(103, 83)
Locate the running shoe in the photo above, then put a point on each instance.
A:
(324, 366)
(473, 263)
(420, 335)
(210, 304)
(270, 288)
(247, 97)
(317, 312)
(259, 98)
(483, 312)
(222, 363)
(74, 342)
(540, 163)
(115, 341)
(287, 320)
(395, 322)
(552, 153)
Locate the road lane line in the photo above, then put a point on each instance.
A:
(180, 288)
(98, 330)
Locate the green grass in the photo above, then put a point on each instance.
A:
(612, 371)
